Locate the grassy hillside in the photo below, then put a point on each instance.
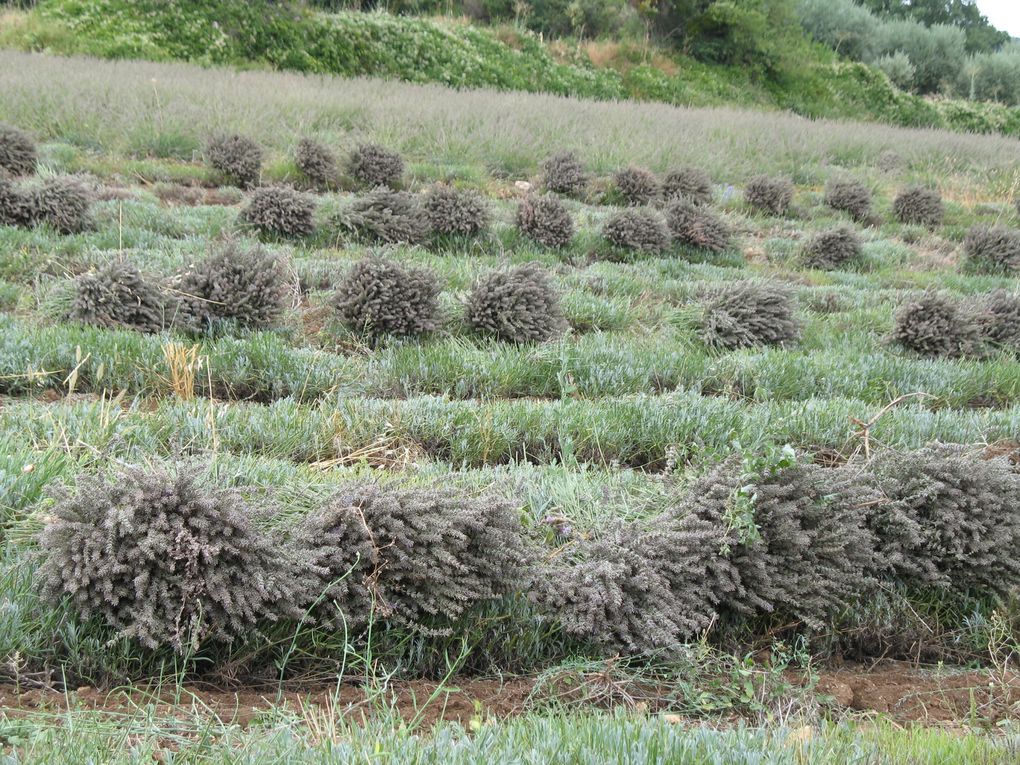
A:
(605, 425)
(453, 52)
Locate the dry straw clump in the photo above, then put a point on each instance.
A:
(63, 203)
(993, 249)
(519, 305)
(637, 229)
(748, 314)
(391, 217)
(690, 183)
(849, 196)
(17, 151)
(374, 165)
(919, 205)
(636, 589)
(381, 297)
(545, 219)
(793, 539)
(934, 324)
(237, 157)
(247, 285)
(452, 211)
(998, 317)
(117, 295)
(280, 211)
(697, 226)
(166, 559)
(317, 162)
(833, 249)
(420, 557)
(16, 206)
(949, 519)
(637, 185)
(769, 195)
(565, 174)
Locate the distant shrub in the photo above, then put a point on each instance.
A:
(452, 211)
(17, 151)
(237, 157)
(16, 206)
(565, 174)
(64, 203)
(998, 317)
(769, 195)
(117, 295)
(165, 560)
(419, 557)
(245, 284)
(993, 249)
(920, 206)
(637, 229)
(519, 305)
(792, 539)
(637, 185)
(280, 211)
(382, 297)
(833, 248)
(933, 324)
(637, 588)
(391, 217)
(546, 220)
(690, 183)
(849, 196)
(898, 68)
(374, 165)
(317, 162)
(746, 314)
(948, 519)
(697, 226)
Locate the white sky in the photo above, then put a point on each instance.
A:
(1004, 14)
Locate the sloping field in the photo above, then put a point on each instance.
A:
(661, 440)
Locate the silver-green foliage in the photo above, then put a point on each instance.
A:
(166, 559)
